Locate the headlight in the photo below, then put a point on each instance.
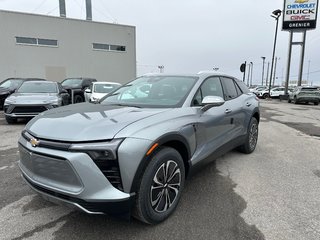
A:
(99, 151)
(9, 101)
(55, 101)
(94, 99)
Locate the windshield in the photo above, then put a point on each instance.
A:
(12, 83)
(153, 91)
(309, 89)
(38, 87)
(104, 87)
(72, 82)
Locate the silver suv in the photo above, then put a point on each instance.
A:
(132, 152)
(305, 94)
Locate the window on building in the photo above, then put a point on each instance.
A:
(26, 40)
(37, 41)
(101, 46)
(47, 42)
(108, 47)
(117, 48)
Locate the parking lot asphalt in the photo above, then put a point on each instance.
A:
(272, 193)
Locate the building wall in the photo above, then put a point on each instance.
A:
(74, 56)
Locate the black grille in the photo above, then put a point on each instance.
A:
(111, 170)
(29, 109)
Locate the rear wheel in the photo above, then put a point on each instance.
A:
(11, 120)
(295, 100)
(316, 103)
(161, 186)
(265, 95)
(289, 100)
(252, 137)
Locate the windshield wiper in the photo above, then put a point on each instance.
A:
(123, 105)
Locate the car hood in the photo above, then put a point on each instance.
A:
(86, 121)
(32, 98)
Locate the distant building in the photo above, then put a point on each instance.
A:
(56, 48)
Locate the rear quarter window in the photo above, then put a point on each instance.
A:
(243, 87)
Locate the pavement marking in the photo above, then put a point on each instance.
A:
(2, 168)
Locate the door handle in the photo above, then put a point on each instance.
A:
(228, 111)
(248, 104)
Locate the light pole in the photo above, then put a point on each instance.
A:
(276, 15)
(251, 73)
(275, 71)
(248, 77)
(263, 62)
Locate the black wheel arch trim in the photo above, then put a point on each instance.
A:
(169, 137)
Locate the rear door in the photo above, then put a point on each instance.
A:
(235, 106)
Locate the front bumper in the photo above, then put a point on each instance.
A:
(22, 110)
(71, 178)
(118, 208)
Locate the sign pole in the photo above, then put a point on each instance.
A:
(302, 56)
(289, 64)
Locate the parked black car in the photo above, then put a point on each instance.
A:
(77, 86)
(10, 85)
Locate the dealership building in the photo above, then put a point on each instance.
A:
(56, 48)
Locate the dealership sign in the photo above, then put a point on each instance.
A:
(300, 14)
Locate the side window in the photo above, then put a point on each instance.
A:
(243, 87)
(210, 87)
(229, 87)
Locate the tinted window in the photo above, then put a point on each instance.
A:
(38, 87)
(104, 87)
(244, 87)
(229, 88)
(210, 87)
(153, 91)
(72, 82)
(12, 84)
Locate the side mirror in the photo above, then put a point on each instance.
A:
(211, 101)
(64, 91)
(87, 90)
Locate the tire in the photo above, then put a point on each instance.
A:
(11, 120)
(252, 137)
(153, 196)
(78, 99)
(295, 100)
(265, 95)
(316, 103)
(289, 100)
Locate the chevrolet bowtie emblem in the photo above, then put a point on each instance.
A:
(34, 142)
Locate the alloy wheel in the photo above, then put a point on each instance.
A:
(253, 135)
(165, 186)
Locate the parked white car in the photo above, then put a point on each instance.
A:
(98, 90)
(257, 89)
(274, 92)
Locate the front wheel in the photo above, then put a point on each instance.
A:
(161, 186)
(316, 103)
(11, 120)
(265, 95)
(252, 137)
(78, 99)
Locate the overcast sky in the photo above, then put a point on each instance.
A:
(186, 36)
